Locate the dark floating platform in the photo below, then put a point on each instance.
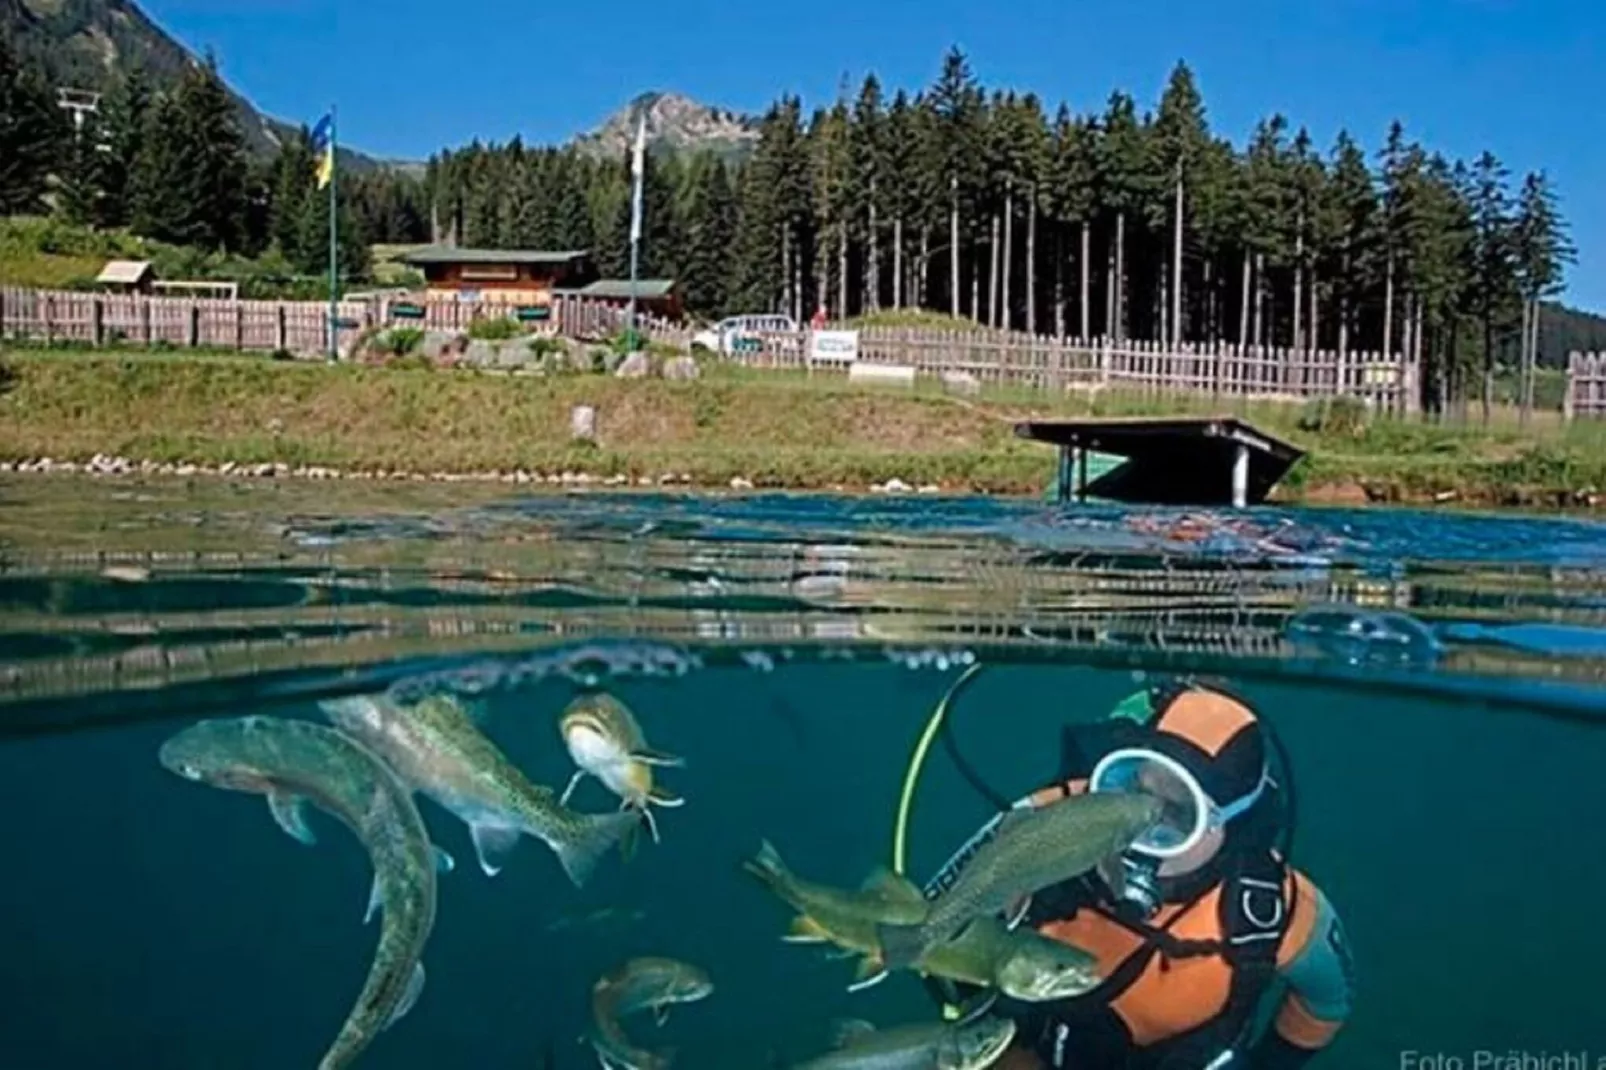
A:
(1185, 460)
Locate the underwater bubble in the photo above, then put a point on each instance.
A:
(1364, 636)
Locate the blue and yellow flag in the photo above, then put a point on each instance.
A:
(323, 145)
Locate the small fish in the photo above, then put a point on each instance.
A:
(1033, 849)
(435, 747)
(290, 762)
(648, 983)
(606, 742)
(927, 1046)
(1021, 963)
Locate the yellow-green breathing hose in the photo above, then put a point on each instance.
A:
(917, 763)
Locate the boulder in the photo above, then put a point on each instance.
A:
(960, 383)
(681, 368)
(481, 354)
(441, 344)
(635, 366)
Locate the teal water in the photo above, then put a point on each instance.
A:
(1436, 679)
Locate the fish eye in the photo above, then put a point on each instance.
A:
(189, 771)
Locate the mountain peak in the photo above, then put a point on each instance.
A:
(674, 121)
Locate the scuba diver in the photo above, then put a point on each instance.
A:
(1199, 921)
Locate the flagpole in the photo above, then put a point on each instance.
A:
(639, 166)
(334, 246)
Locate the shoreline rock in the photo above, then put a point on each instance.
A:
(1353, 493)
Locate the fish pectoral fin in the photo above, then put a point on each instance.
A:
(805, 930)
(444, 863)
(659, 797)
(870, 973)
(493, 843)
(660, 1014)
(651, 822)
(574, 782)
(415, 988)
(290, 814)
(373, 901)
(648, 756)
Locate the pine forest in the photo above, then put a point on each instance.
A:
(1121, 222)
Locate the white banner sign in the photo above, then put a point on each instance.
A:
(837, 347)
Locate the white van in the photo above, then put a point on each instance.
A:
(734, 333)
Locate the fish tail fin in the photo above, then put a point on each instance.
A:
(768, 867)
(901, 945)
(594, 836)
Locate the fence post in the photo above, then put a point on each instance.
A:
(145, 320)
(194, 326)
(281, 334)
(239, 326)
(97, 322)
(1567, 402)
(45, 309)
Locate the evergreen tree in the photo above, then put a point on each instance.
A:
(123, 124)
(709, 227)
(1120, 155)
(957, 104)
(157, 206)
(1178, 145)
(32, 133)
(869, 191)
(1494, 260)
(212, 175)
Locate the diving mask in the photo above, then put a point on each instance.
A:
(1188, 813)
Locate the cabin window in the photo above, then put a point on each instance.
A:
(490, 272)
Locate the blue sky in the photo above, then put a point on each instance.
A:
(1520, 78)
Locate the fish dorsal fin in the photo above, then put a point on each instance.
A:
(847, 1032)
(649, 756)
(290, 815)
(890, 887)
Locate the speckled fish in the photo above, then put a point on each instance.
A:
(1033, 849)
(436, 748)
(934, 1046)
(291, 761)
(647, 983)
(606, 742)
(1022, 963)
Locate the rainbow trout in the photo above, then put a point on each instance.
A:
(1033, 849)
(935, 1046)
(641, 984)
(290, 762)
(436, 748)
(1021, 963)
(606, 742)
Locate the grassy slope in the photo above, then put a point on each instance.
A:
(773, 428)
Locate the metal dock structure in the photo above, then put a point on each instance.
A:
(1183, 460)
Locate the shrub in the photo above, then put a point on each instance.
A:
(493, 330)
(1344, 417)
(400, 341)
(413, 362)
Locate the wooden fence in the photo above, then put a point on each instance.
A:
(1390, 382)
(988, 357)
(298, 327)
(1585, 397)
